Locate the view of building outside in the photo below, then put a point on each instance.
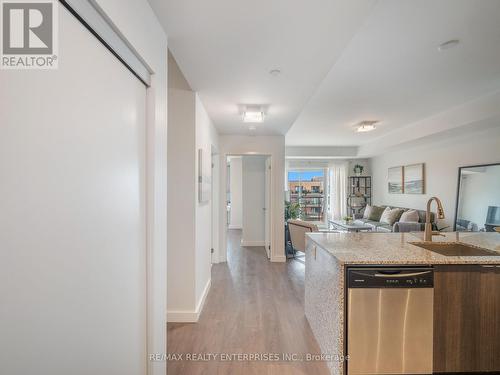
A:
(307, 188)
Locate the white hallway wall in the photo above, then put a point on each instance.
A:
(181, 191)
(189, 221)
(442, 158)
(273, 146)
(236, 192)
(253, 194)
(81, 210)
(207, 139)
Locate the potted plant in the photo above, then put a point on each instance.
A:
(358, 169)
(291, 210)
(347, 219)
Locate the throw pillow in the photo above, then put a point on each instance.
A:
(390, 216)
(367, 212)
(375, 213)
(410, 216)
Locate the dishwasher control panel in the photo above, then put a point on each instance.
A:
(381, 277)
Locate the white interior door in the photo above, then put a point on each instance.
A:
(214, 205)
(72, 198)
(267, 208)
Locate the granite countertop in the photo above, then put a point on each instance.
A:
(393, 248)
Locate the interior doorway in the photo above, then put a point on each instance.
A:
(267, 207)
(248, 202)
(214, 205)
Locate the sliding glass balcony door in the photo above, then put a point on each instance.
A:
(307, 189)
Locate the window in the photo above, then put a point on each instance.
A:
(307, 188)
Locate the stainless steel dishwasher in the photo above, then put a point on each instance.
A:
(390, 320)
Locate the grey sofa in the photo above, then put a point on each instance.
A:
(397, 226)
(466, 226)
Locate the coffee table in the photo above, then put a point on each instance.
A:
(341, 225)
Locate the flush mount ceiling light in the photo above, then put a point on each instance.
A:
(366, 126)
(253, 115)
(449, 44)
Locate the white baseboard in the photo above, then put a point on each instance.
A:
(253, 243)
(190, 316)
(278, 258)
(182, 317)
(201, 302)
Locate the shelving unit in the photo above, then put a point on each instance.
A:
(360, 194)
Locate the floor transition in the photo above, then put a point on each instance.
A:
(254, 306)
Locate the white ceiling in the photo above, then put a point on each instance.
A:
(392, 70)
(342, 62)
(226, 48)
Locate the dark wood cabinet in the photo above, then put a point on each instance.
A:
(360, 194)
(466, 318)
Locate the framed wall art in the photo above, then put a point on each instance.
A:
(395, 180)
(414, 179)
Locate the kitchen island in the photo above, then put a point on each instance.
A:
(330, 255)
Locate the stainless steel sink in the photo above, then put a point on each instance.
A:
(455, 249)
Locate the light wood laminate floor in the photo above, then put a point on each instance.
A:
(254, 306)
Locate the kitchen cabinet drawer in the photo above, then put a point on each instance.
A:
(466, 318)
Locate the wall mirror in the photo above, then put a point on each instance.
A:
(478, 198)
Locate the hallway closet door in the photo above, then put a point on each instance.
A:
(72, 213)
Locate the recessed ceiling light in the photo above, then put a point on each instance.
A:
(275, 72)
(366, 126)
(253, 114)
(449, 44)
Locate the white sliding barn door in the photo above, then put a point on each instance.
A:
(72, 214)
